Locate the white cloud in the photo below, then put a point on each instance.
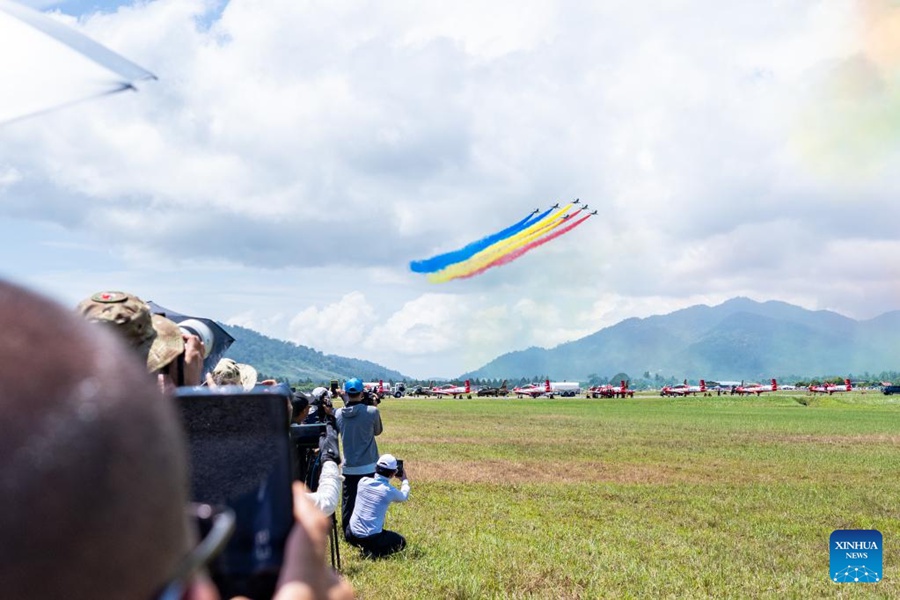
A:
(342, 325)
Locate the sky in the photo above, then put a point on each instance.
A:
(293, 157)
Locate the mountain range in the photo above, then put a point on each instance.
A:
(738, 339)
(279, 359)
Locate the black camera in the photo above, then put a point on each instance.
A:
(370, 399)
(240, 456)
(400, 468)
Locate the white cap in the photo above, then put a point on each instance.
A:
(319, 392)
(387, 461)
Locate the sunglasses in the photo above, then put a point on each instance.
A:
(215, 525)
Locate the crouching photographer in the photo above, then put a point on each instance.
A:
(373, 497)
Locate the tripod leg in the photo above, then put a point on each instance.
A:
(335, 544)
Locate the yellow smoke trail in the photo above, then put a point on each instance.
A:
(497, 250)
(852, 129)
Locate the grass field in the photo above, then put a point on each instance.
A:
(720, 497)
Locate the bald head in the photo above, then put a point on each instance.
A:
(92, 462)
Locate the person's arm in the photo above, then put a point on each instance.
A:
(326, 496)
(401, 495)
(193, 359)
(378, 428)
(304, 574)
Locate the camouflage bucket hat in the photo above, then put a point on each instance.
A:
(229, 372)
(157, 339)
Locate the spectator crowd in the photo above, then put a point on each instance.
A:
(96, 464)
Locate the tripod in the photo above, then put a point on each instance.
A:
(310, 469)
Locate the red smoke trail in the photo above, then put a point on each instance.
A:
(508, 258)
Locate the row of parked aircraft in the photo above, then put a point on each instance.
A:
(742, 389)
(550, 389)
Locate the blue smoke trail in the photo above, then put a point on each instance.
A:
(436, 263)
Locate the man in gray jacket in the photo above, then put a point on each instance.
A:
(358, 424)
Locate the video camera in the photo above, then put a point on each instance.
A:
(370, 398)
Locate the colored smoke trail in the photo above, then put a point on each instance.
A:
(441, 261)
(508, 258)
(493, 252)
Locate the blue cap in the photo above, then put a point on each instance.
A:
(353, 386)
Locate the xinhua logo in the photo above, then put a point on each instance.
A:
(856, 556)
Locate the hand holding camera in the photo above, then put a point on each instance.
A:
(401, 472)
(328, 445)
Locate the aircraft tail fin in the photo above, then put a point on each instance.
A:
(774, 385)
(468, 388)
(702, 385)
(547, 385)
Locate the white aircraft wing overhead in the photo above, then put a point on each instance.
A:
(45, 64)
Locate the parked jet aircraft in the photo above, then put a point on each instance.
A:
(611, 391)
(493, 391)
(831, 388)
(550, 389)
(683, 389)
(456, 391)
(423, 390)
(532, 389)
(755, 388)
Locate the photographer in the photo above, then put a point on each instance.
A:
(358, 424)
(328, 485)
(176, 358)
(374, 496)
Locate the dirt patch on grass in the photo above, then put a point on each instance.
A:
(834, 440)
(495, 471)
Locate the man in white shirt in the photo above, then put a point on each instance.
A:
(373, 497)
